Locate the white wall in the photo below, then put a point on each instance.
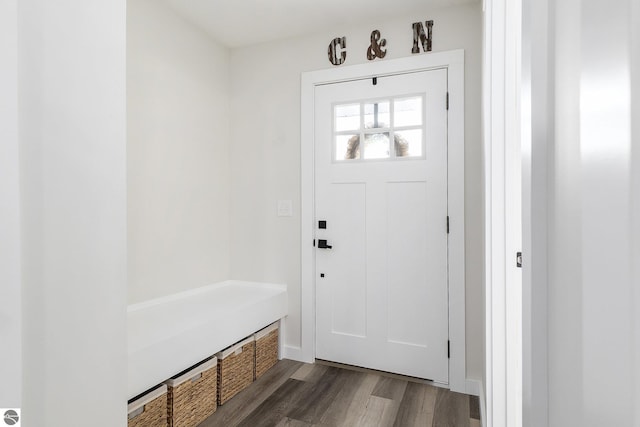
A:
(265, 151)
(10, 294)
(593, 308)
(72, 134)
(177, 154)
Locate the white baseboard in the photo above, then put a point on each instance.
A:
(473, 387)
(292, 353)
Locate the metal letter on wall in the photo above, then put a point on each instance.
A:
(336, 45)
(425, 39)
(375, 48)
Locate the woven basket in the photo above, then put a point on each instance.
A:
(266, 349)
(191, 396)
(149, 410)
(235, 369)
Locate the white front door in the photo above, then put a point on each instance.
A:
(381, 223)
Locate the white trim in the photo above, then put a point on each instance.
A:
(454, 61)
(503, 231)
(483, 407)
(513, 211)
(473, 387)
(494, 260)
(293, 353)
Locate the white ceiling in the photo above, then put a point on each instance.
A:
(247, 22)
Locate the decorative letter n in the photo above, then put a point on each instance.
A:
(425, 39)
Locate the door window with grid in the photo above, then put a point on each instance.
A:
(365, 130)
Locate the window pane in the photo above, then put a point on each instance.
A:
(408, 143)
(347, 117)
(407, 112)
(347, 147)
(376, 146)
(376, 115)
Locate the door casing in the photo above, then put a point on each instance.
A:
(454, 62)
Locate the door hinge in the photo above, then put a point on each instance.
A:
(519, 259)
(447, 100)
(447, 224)
(314, 243)
(448, 349)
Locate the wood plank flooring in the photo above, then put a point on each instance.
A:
(294, 394)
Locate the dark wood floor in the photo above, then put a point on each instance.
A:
(300, 395)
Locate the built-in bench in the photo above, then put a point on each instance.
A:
(169, 334)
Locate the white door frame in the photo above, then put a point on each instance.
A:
(454, 62)
(502, 119)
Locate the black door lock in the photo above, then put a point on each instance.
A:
(322, 244)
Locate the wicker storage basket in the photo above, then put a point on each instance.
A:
(266, 349)
(191, 396)
(149, 409)
(235, 369)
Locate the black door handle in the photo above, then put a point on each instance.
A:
(322, 244)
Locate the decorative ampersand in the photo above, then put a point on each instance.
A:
(375, 49)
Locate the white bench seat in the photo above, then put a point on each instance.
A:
(170, 334)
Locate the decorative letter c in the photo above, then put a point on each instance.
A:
(334, 46)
